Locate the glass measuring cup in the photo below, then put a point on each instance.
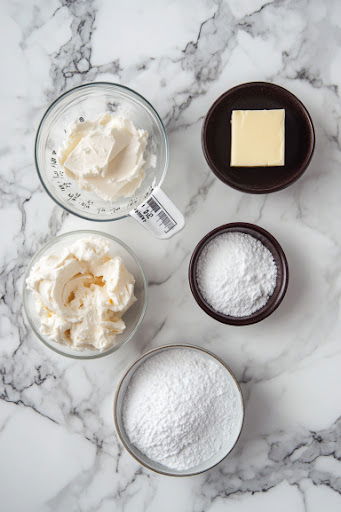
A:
(88, 102)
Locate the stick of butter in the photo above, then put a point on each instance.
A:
(257, 138)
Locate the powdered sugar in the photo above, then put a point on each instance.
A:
(181, 408)
(236, 274)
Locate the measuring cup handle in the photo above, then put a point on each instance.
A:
(159, 215)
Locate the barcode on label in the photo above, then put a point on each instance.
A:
(153, 204)
(164, 217)
(159, 215)
(166, 221)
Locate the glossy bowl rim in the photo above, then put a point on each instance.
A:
(147, 355)
(55, 103)
(245, 188)
(25, 293)
(258, 315)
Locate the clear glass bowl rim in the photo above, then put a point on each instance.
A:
(42, 251)
(91, 85)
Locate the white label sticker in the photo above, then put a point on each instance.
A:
(159, 215)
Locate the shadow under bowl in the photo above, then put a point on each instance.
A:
(299, 137)
(281, 279)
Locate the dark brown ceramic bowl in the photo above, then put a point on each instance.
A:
(282, 273)
(299, 137)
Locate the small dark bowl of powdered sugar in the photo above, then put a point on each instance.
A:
(179, 410)
(238, 273)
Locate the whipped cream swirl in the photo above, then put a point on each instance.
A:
(81, 292)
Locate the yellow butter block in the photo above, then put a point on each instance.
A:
(257, 138)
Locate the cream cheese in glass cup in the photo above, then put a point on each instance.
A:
(149, 204)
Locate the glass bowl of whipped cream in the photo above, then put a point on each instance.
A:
(100, 151)
(85, 294)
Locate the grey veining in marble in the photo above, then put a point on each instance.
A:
(58, 448)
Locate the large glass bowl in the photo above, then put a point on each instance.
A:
(132, 318)
(88, 102)
(119, 402)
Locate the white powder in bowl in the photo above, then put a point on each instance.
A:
(181, 408)
(236, 274)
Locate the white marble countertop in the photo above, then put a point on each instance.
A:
(58, 448)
